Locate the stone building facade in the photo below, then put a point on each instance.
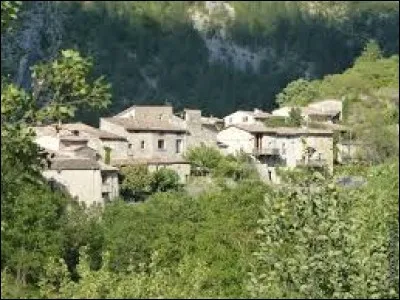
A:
(282, 146)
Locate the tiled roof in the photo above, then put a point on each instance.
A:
(256, 114)
(73, 138)
(84, 132)
(92, 131)
(153, 160)
(153, 124)
(261, 128)
(261, 115)
(302, 131)
(129, 109)
(312, 111)
(73, 164)
(254, 128)
(211, 120)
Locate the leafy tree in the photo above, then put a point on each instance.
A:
(295, 119)
(203, 156)
(371, 53)
(32, 232)
(299, 92)
(9, 11)
(163, 180)
(337, 253)
(81, 227)
(238, 168)
(136, 181)
(148, 282)
(19, 155)
(63, 85)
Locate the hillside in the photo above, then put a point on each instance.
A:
(219, 57)
(227, 234)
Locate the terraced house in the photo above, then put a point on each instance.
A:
(156, 137)
(86, 160)
(76, 167)
(272, 147)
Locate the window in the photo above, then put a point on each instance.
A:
(245, 119)
(142, 145)
(161, 144)
(178, 147)
(130, 152)
(283, 149)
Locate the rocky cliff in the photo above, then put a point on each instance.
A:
(217, 56)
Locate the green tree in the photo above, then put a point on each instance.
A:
(136, 181)
(148, 282)
(203, 156)
(338, 252)
(62, 86)
(32, 232)
(295, 119)
(164, 180)
(299, 92)
(9, 12)
(372, 52)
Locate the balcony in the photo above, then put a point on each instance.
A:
(265, 151)
(319, 163)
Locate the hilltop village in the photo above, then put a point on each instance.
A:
(86, 160)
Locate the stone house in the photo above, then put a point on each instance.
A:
(329, 111)
(155, 137)
(75, 166)
(99, 140)
(245, 117)
(201, 130)
(279, 146)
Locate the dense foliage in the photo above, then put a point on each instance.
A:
(322, 241)
(138, 182)
(209, 160)
(63, 85)
(370, 73)
(370, 94)
(309, 237)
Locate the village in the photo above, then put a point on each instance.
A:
(86, 160)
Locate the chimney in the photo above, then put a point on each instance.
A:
(192, 115)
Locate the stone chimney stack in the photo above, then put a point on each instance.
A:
(192, 115)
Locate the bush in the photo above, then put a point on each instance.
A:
(138, 182)
(164, 180)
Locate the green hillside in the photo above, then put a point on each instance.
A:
(152, 53)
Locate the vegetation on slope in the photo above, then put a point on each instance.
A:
(322, 241)
(152, 54)
(370, 94)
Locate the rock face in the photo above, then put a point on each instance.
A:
(212, 25)
(220, 56)
(38, 37)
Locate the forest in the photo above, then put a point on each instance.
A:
(151, 53)
(238, 237)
